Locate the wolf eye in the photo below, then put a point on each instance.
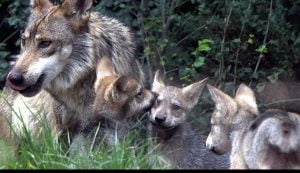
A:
(157, 102)
(139, 95)
(22, 41)
(44, 44)
(176, 107)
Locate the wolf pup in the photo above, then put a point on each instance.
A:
(178, 144)
(119, 100)
(60, 48)
(259, 141)
(228, 121)
(272, 141)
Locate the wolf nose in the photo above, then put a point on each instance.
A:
(213, 149)
(155, 95)
(160, 119)
(15, 78)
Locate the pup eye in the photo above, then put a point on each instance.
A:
(23, 41)
(176, 107)
(139, 95)
(157, 102)
(44, 44)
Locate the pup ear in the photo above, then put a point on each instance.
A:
(124, 85)
(224, 103)
(104, 69)
(193, 92)
(246, 97)
(158, 82)
(39, 5)
(80, 9)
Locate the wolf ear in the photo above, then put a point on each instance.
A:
(40, 4)
(158, 82)
(246, 97)
(80, 9)
(104, 69)
(223, 101)
(193, 92)
(123, 84)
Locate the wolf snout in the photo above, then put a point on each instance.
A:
(160, 119)
(16, 80)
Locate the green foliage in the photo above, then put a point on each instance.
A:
(262, 49)
(172, 34)
(3, 62)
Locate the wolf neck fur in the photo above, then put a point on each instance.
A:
(165, 135)
(87, 49)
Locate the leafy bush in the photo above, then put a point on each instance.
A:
(248, 40)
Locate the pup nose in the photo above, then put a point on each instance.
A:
(155, 95)
(160, 119)
(213, 149)
(15, 79)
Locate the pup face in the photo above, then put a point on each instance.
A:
(122, 97)
(229, 112)
(173, 104)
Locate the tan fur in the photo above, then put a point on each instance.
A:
(119, 101)
(115, 91)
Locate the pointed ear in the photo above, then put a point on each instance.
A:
(124, 85)
(158, 82)
(80, 9)
(104, 69)
(246, 97)
(39, 5)
(193, 92)
(224, 102)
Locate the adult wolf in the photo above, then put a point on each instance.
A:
(60, 48)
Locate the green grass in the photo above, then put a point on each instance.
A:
(47, 152)
(44, 151)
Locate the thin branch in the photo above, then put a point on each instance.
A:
(144, 36)
(221, 65)
(282, 101)
(163, 15)
(239, 48)
(172, 70)
(183, 24)
(11, 35)
(2, 22)
(261, 55)
(186, 37)
(166, 19)
(180, 4)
